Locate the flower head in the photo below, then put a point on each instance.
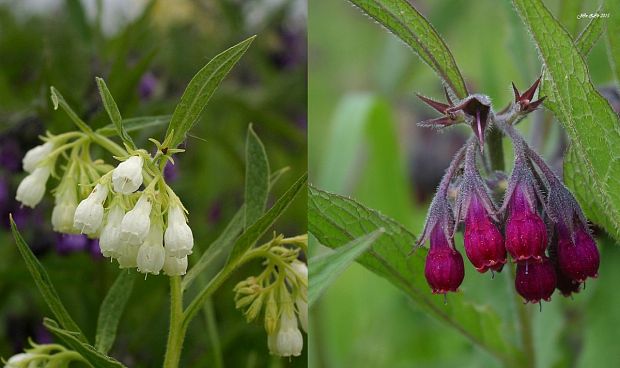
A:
(179, 238)
(535, 281)
(89, 213)
(580, 259)
(287, 340)
(127, 176)
(526, 233)
(484, 244)
(151, 255)
(110, 240)
(31, 190)
(35, 155)
(135, 224)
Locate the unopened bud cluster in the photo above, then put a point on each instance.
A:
(45, 355)
(540, 224)
(279, 294)
(137, 217)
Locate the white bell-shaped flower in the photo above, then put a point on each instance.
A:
(301, 269)
(287, 340)
(136, 223)
(127, 176)
(174, 266)
(179, 238)
(31, 190)
(128, 257)
(34, 156)
(110, 239)
(64, 210)
(89, 213)
(152, 255)
(19, 360)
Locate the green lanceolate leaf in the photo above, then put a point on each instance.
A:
(214, 258)
(44, 284)
(256, 178)
(136, 124)
(113, 113)
(111, 311)
(325, 269)
(59, 100)
(251, 235)
(402, 19)
(613, 39)
(87, 351)
(200, 90)
(335, 221)
(589, 121)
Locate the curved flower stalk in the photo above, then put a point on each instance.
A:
(528, 218)
(279, 294)
(45, 355)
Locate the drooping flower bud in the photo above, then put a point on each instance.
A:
(444, 269)
(110, 240)
(179, 238)
(526, 233)
(35, 155)
(151, 255)
(89, 213)
(136, 222)
(535, 281)
(302, 311)
(174, 266)
(21, 360)
(578, 260)
(287, 340)
(484, 244)
(127, 176)
(31, 190)
(66, 204)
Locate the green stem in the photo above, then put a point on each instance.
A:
(496, 149)
(525, 325)
(177, 331)
(108, 144)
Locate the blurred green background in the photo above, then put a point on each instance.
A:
(148, 52)
(364, 142)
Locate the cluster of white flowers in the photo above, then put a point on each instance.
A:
(145, 229)
(282, 289)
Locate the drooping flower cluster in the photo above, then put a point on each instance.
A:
(281, 290)
(544, 229)
(44, 355)
(145, 229)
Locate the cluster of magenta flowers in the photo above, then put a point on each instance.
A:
(540, 224)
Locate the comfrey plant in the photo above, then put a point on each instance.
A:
(545, 231)
(142, 224)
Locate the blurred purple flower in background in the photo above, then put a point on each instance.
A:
(171, 172)
(70, 243)
(147, 86)
(10, 154)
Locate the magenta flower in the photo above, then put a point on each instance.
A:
(444, 269)
(526, 233)
(484, 244)
(535, 281)
(578, 260)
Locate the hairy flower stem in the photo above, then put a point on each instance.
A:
(496, 149)
(176, 335)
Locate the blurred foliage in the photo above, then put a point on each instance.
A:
(363, 320)
(147, 63)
